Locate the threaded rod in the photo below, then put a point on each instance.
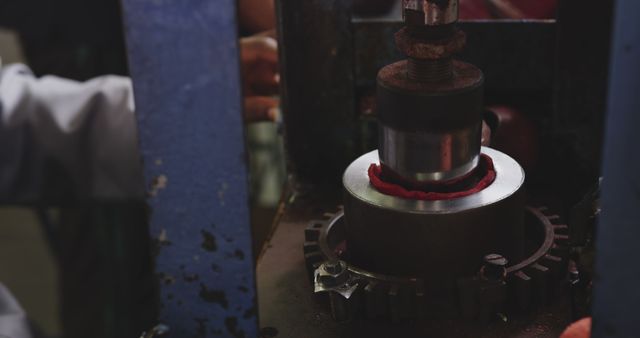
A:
(430, 70)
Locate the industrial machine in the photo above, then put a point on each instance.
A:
(434, 234)
(434, 224)
(397, 221)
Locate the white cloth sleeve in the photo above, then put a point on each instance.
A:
(13, 319)
(87, 129)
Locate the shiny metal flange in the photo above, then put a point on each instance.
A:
(509, 179)
(358, 292)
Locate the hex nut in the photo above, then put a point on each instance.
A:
(332, 274)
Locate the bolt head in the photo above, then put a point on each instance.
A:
(333, 267)
(494, 267)
(332, 273)
(495, 260)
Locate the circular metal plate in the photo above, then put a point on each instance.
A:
(509, 179)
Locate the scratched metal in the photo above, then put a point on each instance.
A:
(617, 295)
(183, 57)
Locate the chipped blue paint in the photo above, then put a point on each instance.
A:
(183, 57)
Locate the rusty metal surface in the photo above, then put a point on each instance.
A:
(515, 55)
(287, 303)
(429, 49)
(418, 106)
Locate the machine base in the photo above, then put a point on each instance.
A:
(288, 305)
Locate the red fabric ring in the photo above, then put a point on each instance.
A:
(396, 190)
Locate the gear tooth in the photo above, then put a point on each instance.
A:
(315, 224)
(328, 215)
(394, 302)
(541, 279)
(560, 251)
(492, 297)
(556, 265)
(356, 300)
(522, 286)
(408, 304)
(539, 267)
(562, 229)
(562, 239)
(313, 230)
(340, 307)
(419, 299)
(313, 261)
(310, 247)
(551, 259)
(376, 299)
(314, 257)
(370, 300)
(553, 217)
(468, 297)
(383, 299)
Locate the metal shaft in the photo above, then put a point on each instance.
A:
(429, 106)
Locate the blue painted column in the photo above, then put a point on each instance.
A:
(184, 61)
(617, 283)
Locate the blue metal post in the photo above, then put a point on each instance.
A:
(183, 57)
(617, 284)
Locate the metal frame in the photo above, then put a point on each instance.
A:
(616, 295)
(325, 69)
(184, 62)
(318, 92)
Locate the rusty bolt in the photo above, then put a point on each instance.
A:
(429, 50)
(494, 267)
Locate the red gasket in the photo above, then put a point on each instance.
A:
(393, 189)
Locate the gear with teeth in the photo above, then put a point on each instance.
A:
(355, 292)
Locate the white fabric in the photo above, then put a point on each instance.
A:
(13, 320)
(86, 128)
